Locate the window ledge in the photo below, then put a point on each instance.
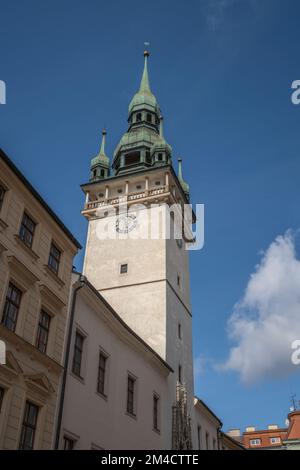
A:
(102, 395)
(77, 377)
(131, 415)
(30, 251)
(54, 276)
(3, 224)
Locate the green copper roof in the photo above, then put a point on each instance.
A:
(184, 185)
(144, 96)
(101, 158)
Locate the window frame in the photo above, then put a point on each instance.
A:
(25, 230)
(131, 396)
(277, 440)
(207, 440)
(3, 191)
(29, 426)
(42, 329)
(199, 430)
(79, 350)
(103, 389)
(156, 412)
(68, 439)
(16, 304)
(122, 266)
(2, 395)
(255, 442)
(54, 257)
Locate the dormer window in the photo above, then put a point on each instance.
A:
(132, 158)
(138, 117)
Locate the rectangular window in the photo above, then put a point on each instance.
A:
(29, 426)
(199, 437)
(255, 442)
(43, 331)
(124, 268)
(78, 350)
(2, 194)
(275, 440)
(101, 373)
(27, 230)
(69, 443)
(179, 331)
(11, 307)
(156, 412)
(1, 397)
(130, 395)
(207, 440)
(54, 258)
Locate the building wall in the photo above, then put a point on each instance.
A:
(148, 297)
(31, 374)
(94, 421)
(206, 429)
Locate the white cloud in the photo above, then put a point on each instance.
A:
(267, 319)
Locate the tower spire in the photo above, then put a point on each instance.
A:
(102, 148)
(145, 85)
(100, 163)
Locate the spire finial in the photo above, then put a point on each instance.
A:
(145, 85)
(180, 168)
(102, 148)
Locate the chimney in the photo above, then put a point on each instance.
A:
(234, 433)
(250, 429)
(272, 427)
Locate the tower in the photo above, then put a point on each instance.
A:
(144, 278)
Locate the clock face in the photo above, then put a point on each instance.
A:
(126, 223)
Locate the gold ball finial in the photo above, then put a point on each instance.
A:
(146, 53)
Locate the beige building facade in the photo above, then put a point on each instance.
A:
(36, 256)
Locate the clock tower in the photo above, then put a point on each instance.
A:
(133, 256)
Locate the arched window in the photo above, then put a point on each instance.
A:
(138, 117)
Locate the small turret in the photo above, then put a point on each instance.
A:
(184, 185)
(100, 163)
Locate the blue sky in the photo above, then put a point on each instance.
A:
(222, 72)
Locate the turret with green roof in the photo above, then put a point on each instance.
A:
(100, 163)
